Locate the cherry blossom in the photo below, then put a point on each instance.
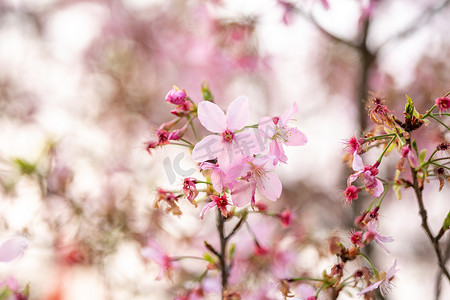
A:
(373, 185)
(373, 233)
(154, 252)
(220, 202)
(384, 282)
(280, 133)
(232, 143)
(259, 175)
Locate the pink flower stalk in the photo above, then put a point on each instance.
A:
(373, 185)
(356, 238)
(443, 104)
(351, 193)
(373, 233)
(259, 176)
(176, 96)
(277, 130)
(153, 251)
(384, 281)
(12, 247)
(353, 149)
(190, 189)
(232, 144)
(220, 202)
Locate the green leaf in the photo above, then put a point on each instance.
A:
(422, 156)
(231, 251)
(206, 92)
(446, 224)
(25, 167)
(208, 258)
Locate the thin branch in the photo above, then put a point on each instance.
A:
(416, 24)
(313, 21)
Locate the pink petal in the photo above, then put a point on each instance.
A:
(229, 154)
(237, 114)
(379, 188)
(371, 287)
(264, 162)
(391, 272)
(267, 127)
(276, 149)
(249, 142)
(382, 246)
(286, 116)
(242, 193)
(295, 137)
(353, 177)
(217, 179)
(211, 116)
(357, 161)
(269, 185)
(208, 148)
(206, 208)
(12, 248)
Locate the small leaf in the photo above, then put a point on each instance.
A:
(422, 156)
(446, 224)
(206, 92)
(231, 251)
(25, 166)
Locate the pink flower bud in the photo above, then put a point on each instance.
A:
(176, 96)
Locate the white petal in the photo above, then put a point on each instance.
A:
(13, 247)
(211, 117)
(286, 116)
(208, 148)
(237, 114)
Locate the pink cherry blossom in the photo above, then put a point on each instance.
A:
(154, 252)
(372, 184)
(259, 176)
(384, 282)
(356, 238)
(443, 104)
(353, 150)
(224, 177)
(12, 248)
(190, 190)
(280, 133)
(176, 96)
(232, 144)
(351, 193)
(410, 155)
(220, 202)
(373, 233)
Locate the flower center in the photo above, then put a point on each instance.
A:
(228, 136)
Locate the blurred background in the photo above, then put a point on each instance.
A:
(82, 87)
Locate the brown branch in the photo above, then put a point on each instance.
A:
(423, 214)
(416, 24)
